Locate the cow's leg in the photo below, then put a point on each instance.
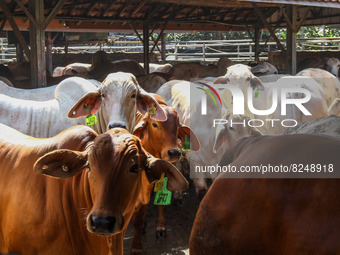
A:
(201, 187)
(139, 229)
(161, 227)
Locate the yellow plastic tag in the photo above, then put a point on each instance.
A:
(152, 110)
(159, 184)
(91, 119)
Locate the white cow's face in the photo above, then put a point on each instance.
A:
(333, 66)
(116, 101)
(119, 94)
(240, 75)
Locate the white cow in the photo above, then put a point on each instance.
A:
(264, 68)
(161, 68)
(329, 83)
(177, 94)
(116, 101)
(333, 66)
(262, 99)
(324, 126)
(39, 94)
(334, 108)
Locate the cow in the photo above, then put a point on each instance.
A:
(189, 70)
(323, 126)
(158, 68)
(39, 94)
(331, 65)
(116, 101)
(98, 182)
(263, 94)
(151, 82)
(79, 69)
(264, 68)
(185, 97)
(160, 139)
(272, 216)
(101, 66)
(328, 82)
(334, 108)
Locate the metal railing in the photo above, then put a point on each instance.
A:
(206, 51)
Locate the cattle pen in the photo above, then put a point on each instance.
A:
(120, 134)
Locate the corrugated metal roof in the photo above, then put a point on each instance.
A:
(315, 3)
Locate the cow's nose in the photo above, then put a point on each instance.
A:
(174, 153)
(117, 125)
(102, 225)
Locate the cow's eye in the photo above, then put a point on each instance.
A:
(231, 128)
(154, 125)
(103, 96)
(134, 168)
(134, 96)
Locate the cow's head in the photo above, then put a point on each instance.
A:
(161, 138)
(241, 76)
(118, 171)
(117, 100)
(228, 134)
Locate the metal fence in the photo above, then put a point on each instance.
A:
(205, 51)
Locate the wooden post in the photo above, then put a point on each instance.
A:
(19, 52)
(146, 46)
(257, 44)
(291, 40)
(163, 47)
(49, 53)
(37, 42)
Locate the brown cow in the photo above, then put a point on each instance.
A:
(102, 66)
(160, 139)
(189, 70)
(272, 216)
(103, 178)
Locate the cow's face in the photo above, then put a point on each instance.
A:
(241, 76)
(118, 172)
(333, 66)
(117, 100)
(161, 139)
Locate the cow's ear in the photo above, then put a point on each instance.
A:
(185, 132)
(61, 163)
(140, 129)
(146, 103)
(92, 100)
(155, 167)
(221, 80)
(256, 83)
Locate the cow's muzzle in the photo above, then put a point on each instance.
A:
(102, 226)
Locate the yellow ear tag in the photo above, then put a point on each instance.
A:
(163, 197)
(152, 110)
(91, 119)
(159, 184)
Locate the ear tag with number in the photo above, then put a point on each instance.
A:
(257, 93)
(152, 110)
(159, 184)
(91, 119)
(163, 197)
(186, 146)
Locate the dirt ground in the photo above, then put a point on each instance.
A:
(179, 220)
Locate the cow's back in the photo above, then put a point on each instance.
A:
(272, 216)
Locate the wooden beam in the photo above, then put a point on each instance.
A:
(146, 46)
(303, 19)
(37, 42)
(28, 14)
(53, 13)
(159, 36)
(3, 24)
(138, 7)
(270, 30)
(291, 41)
(49, 42)
(136, 32)
(257, 44)
(15, 28)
